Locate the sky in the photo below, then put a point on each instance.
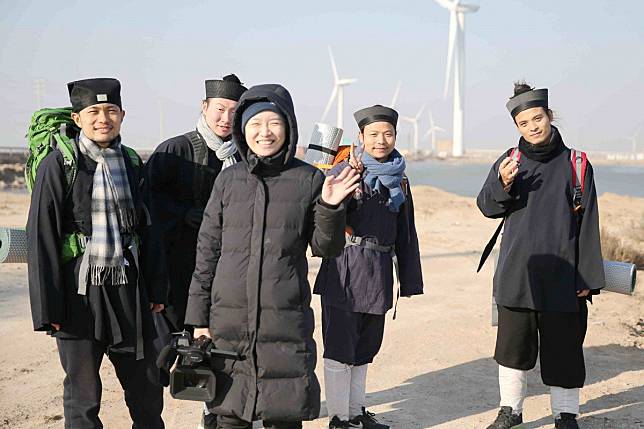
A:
(590, 54)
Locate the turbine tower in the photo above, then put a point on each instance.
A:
(414, 122)
(433, 129)
(338, 91)
(456, 55)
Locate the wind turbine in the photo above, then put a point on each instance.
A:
(414, 122)
(394, 99)
(338, 91)
(633, 140)
(433, 129)
(456, 55)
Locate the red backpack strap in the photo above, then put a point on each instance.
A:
(515, 154)
(584, 162)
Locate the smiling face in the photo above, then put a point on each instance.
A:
(379, 140)
(265, 133)
(101, 123)
(534, 125)
(219, 114)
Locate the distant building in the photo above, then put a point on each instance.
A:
(444, 148)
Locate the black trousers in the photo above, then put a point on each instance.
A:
(228, 422)
(81, 360)
(557, 337)
(351, 338)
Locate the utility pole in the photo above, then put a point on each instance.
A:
(39, 88)
(160, 121)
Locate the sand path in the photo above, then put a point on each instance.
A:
(434, 369)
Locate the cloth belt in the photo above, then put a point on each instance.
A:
(372, 244)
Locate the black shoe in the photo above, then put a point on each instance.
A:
(336, 423)
(208, 421)
(366, 420)
(566, 421)
(507, 420)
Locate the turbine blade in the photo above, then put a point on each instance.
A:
(431, 118)
(345, 82)
(445, 3)
(465, 8)
(395, 97)
(420, 112)
(334, 93)
(336, 78)
(450, 50)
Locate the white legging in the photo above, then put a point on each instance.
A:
(345, 388)
(513, 385)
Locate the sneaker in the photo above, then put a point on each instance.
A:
(507, 420)
(208, 421)
(566, 421)
(366, 420)
(336, 423)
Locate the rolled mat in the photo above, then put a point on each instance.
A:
(323, 145)
(13, 245)
(620, 277)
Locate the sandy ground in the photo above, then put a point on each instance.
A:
(434, 369)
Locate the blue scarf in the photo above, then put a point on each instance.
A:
(388, 174)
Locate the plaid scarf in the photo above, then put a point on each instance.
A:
(112, 212)
(225, 150)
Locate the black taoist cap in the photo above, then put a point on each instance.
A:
(376, 113)
(87, 92)
(229, 87)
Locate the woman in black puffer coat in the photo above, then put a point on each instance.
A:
(250, 282)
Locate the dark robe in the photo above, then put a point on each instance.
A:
(361, 279)
(173, 185)
(116, 315)
(545, 256)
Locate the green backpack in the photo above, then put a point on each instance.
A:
(54, 129)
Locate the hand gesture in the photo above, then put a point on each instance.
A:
(336, 189)
(355, 161)
(508, 171)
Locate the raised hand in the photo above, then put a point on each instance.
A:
(336, 188)
(508, 171)
(355, 161)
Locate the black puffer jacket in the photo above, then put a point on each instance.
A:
(250, 282)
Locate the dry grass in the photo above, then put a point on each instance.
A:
(629, 249)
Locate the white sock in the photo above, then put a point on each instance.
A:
(513, 385)
(357, 397)
(564, 401)
(206, 411)
(337, 386)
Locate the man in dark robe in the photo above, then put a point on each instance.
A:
(357, 287)
(179, 177)
(99, 300)
(549, 262)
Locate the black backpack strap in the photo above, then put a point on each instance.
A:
(198, 146)
(578, 164)
(490, 245)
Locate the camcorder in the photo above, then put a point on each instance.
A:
(193, 378)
